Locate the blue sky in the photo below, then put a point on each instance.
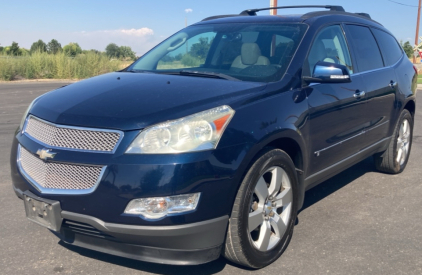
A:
(142, 24)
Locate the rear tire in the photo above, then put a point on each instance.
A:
(394, 159)
(264, 213)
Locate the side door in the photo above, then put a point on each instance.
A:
(336, 111)
(378, 75)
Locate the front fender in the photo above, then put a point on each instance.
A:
(265, 121)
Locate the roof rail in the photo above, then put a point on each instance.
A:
(254, 11)
(219, 16)
(363, 14)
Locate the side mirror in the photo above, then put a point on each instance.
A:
(325, 72)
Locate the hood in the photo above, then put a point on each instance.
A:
(129, 101)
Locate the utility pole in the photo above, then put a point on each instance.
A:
(273, 3)
(186, 24)
(417, 30)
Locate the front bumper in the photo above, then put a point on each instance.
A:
(187, 244)
(215, 174)
(97, 221)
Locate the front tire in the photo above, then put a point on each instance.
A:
(264, 212)
(394, 159)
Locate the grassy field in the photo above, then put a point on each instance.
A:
(420, 79)
(58, 66)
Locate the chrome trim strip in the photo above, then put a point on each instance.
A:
(346, 159)
(317, 153)
(370, 129)
(75, 128)
(378, 69)
(53, 190)
(338, 143)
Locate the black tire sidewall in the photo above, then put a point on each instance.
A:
(272, 158)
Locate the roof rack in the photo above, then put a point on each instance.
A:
(254, 11)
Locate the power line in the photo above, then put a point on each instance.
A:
(402, 4)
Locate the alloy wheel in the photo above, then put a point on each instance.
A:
(403, 142)
(271, 208)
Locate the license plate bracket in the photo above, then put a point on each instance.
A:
(44, 212)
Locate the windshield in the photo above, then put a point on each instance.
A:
(249, 52)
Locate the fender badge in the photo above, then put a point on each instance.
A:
(45, 154)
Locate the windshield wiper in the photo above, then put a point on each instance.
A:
(207, 74)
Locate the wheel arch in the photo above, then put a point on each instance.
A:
(411, 107)
(288, 140)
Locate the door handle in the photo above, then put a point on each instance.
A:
(359, 94)
(392, 84)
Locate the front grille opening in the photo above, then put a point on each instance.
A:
(84, 229)
(54, 175)
(74, 138)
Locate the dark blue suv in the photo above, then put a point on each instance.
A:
(207, 143)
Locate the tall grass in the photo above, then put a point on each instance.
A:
(58, 66)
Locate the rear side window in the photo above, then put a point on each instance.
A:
(368, 56)
(390, 49)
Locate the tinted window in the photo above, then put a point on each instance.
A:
(390, 49)
(330, 46)
(368, 56)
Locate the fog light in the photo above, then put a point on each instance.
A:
(156, 208)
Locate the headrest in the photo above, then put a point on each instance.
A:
(319, 50)
(250, 53)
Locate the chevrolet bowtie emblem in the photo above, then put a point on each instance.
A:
(45, 154)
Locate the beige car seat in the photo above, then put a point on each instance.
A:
(250, 55)
(318, 53)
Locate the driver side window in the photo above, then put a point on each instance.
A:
(330, 46)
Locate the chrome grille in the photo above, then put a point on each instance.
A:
(51, 175)
(72, 137)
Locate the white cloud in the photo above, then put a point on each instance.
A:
(138, 32)
(129, 32)
(188, 10)
(140, 40)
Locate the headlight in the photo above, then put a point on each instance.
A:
(201, 131)
(26, 114)
(157, 208)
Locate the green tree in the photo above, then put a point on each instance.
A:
(14, 49)
(167, 58)
(112, 50)
(72, 49)
(23, 51)
(54, 47)
(1, 49)
(408, 49)
(200, 49)
(38, 46)
(178, 57)
(126, 52)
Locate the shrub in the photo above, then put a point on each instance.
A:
(190, 61)
(59, 66)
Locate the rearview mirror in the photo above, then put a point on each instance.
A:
(325, 72)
